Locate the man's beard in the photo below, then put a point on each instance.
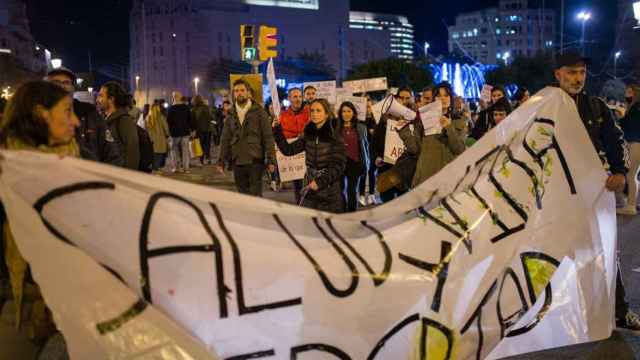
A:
(241, 101)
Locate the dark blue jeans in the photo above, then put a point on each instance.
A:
(158, 160)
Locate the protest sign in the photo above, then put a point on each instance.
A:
(430, 116)
(485, 93)
(324, 90)
(393, 144)
(273, 88)
(509, 249)
(365, 85)
(291, 167)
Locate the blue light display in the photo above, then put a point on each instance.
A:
(467, 80)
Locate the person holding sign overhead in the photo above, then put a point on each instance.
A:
(325, 158)
(440, 148)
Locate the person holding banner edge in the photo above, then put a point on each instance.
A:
(325, 158)
(571, 74)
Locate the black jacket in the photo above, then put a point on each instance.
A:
(325, 160)
(91, 132)
(604, 132)
(180, 121)
(485, 120)
(249, 142)
(202, 118)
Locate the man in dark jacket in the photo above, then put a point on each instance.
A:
(121, 128)
(606, 136)
(202, 119)
(247, 141)
(181, 128)
(90, 135)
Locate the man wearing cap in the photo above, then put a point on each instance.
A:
(606, 136)
(91, 132)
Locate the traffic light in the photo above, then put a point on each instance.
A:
(268, 43)
(247, 43)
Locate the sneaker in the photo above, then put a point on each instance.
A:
(372, 200)
(627, 210)
(274, 186)
(362, 200)
(631, 322)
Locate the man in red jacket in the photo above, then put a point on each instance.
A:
(293, 120)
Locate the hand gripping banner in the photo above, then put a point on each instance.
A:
(509, 249)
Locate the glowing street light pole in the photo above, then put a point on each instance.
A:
(615, 64)
(137, 82)
(195, 83)
(426, 49)
(584, 16)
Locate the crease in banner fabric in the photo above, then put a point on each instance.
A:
(509, 249)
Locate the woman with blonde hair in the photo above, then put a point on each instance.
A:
(158, 129)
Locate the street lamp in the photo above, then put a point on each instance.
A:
(506, 57)
(584, 16)
(426, 49)
(137, 81)
(196, 80)
(56, 63)
(615, 64)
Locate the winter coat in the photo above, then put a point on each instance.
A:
(202, 118)
(158, 132)
(630, 123)
(603, 131)
(363, 143)
(438, 150)
(485, 120)
(90, 135)
(180, 121)
(122, 133)
(250, 142)
(325, 160)
(294, 122)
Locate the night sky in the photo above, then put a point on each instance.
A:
(74, 28)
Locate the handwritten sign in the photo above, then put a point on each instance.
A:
(366, 85)
(291, 167)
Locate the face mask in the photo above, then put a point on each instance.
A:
(629, 100)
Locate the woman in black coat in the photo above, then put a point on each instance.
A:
(325, 158)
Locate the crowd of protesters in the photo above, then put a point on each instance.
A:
(346, 168)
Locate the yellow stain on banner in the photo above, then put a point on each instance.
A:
(539, 272)
(437, 346)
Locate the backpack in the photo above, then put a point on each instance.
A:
(145, 146)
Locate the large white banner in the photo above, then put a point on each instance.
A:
(509, 249)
